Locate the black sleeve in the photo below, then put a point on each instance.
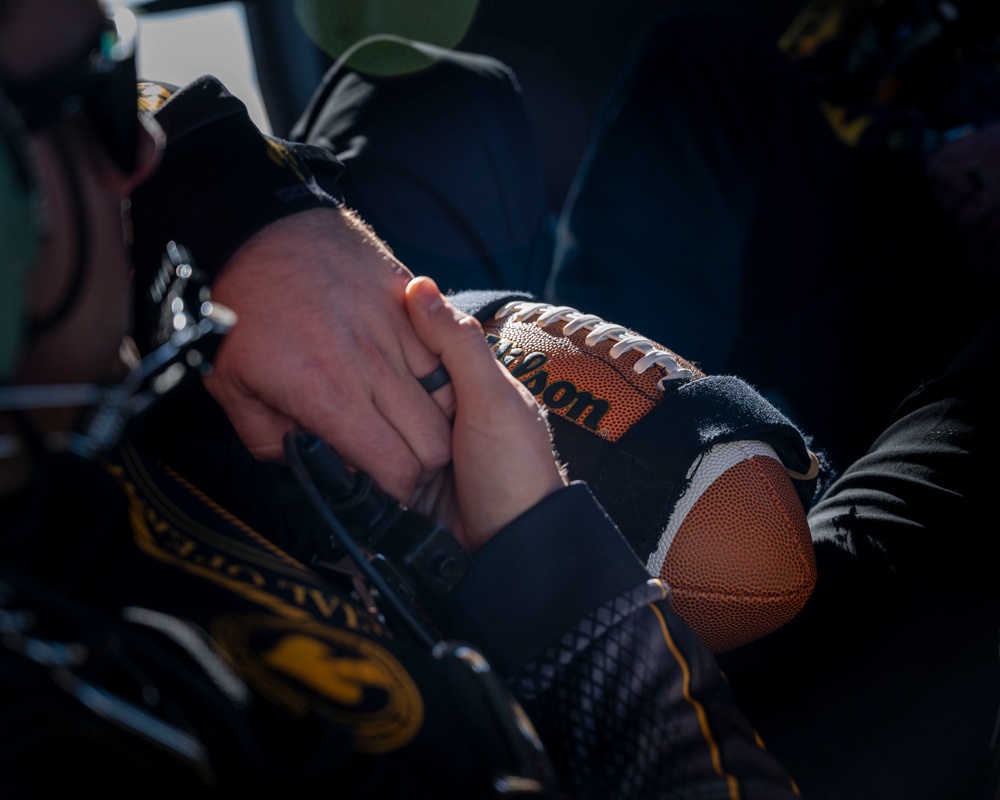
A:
(631, 705)
(220, 180)
(553, 565)
(627, 700)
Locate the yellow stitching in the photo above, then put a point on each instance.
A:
(185, 522)
(699, 709)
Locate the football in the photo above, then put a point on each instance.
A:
(686, 464)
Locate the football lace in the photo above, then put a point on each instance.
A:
(625, 339)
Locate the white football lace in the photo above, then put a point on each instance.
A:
(600, 330)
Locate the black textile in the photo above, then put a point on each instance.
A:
(717, 213)
(442, 164)
(285, 682)
(219, 182)
(126, 542)
(893, 661)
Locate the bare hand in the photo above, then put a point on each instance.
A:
(324, 343)
(501, 445)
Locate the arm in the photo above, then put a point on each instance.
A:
(628, 701)
(562, 607)
(323, 342)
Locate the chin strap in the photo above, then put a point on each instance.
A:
(191, 329)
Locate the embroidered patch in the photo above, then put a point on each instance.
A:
(152, 96)
(342, 675)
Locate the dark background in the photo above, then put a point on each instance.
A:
(564, 52)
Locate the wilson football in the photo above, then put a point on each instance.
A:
(697, 471)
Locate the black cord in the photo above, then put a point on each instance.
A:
(533, 773)
(294, 443)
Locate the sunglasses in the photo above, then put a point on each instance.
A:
(101, 85)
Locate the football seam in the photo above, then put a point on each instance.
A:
(517, 316)
(588, 351)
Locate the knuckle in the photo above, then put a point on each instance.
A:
(437, 456)
(373, 357)
(469, 333)
(266, 451)
(401, 478)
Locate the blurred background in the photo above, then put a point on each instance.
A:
(564, 52)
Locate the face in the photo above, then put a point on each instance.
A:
(38, 38)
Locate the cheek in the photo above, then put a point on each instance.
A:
(86, 343)
(52, 272)
(107, 290)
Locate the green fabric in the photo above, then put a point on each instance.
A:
(335, 27)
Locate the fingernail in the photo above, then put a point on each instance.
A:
(427, 294)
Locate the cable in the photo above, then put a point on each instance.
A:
(298, 447)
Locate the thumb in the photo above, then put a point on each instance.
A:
(455, 337)
(494, 482)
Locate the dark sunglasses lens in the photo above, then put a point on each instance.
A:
(114, 111)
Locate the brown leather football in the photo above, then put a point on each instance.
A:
(727, 532)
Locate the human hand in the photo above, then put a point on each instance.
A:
(502, 459)
(324, 344)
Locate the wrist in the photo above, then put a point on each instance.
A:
(221, 180)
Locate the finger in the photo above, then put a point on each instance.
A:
(452, 336)
(437, 384)
(364, 445)
(491, 400)
(352, 422)
(342, 415)
(421, 362)
(494, 482)
(260, 427)
(397, 359)
(421, 418)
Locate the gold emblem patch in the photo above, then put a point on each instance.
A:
(340, 674)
